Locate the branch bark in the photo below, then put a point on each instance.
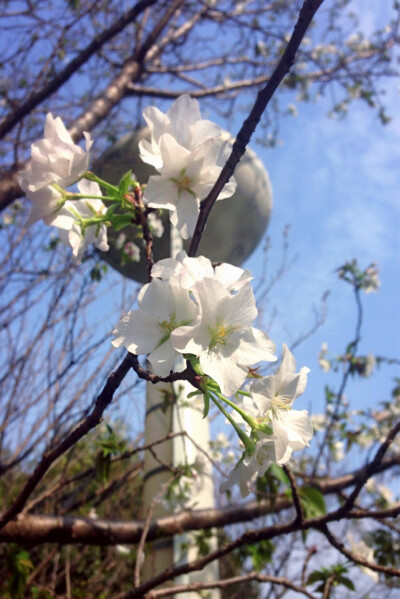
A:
(306, 15)
(70, 529)
(49, 457)
(58, 80)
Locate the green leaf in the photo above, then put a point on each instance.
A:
(279, 474)
(120, 221)
(125, 182)
(206, 405)
(313, 502)
(345, 582)
(318, 575)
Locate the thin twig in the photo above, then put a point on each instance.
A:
(50, 456)
(355, 557)
(227, 582)
(295, 495)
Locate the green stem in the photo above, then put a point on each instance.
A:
(81, 196)
(95, 220)
(250, 421)
(92, 177)
(247, 442)
(245, 393)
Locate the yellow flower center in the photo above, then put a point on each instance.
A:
(169, 325)
(220, 334)
(184, 182)
(280, 404)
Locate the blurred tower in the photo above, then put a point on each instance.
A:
(234, 229)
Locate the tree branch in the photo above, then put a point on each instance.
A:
(306, 15)
(58, 80)
(356, 558)
(70, 529)
(50, 456)
(227, 582)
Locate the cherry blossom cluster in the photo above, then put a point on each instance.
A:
(191, 312)
(189, 153)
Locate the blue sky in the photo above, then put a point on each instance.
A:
(337, 184)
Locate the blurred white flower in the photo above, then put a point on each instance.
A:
(322, 360)
(371, 280)
(370, 364)
(119, 242)
(55, 159)
(386, 493)
(364, 551)
(338, 451)
(155, 224)
(122, 549)
(318, 421)
(131, 251)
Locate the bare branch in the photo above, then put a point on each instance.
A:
(306, 15)
(58, 80)
(49, 457)
(227, 582)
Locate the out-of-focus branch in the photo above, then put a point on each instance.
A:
(227, 582)
(139, 90)
(59, 79)
(101, 106)
(355, 557)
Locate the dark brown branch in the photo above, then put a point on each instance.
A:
(186, 375)
(295, 495)
(306, 15)
(356, 558)
(70, 529)
(50, 456)
(369, 469)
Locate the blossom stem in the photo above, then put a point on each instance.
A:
(247, 442)
(83, 196)
(92, 177)
(246, 393)
(95, 220)
(250, 421)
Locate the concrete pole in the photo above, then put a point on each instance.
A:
(167, 409)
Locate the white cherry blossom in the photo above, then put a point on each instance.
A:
(250, 466)
(186, 272)
(55, 159)
(271, 403)
(185, 178)
(67, 222)
(223, 337)
(45, 204)
(147, 330)
(183, 121)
